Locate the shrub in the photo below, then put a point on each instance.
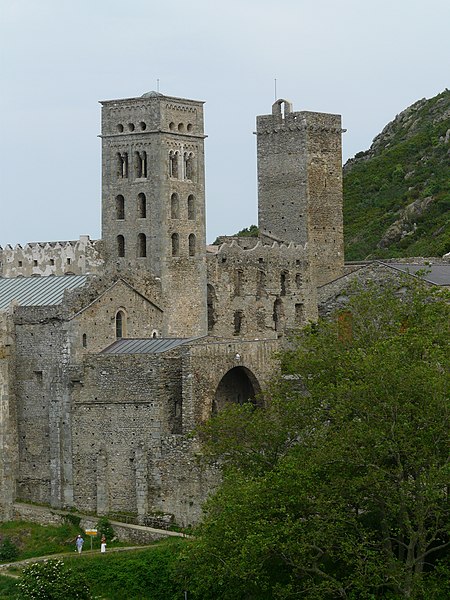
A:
(8, 550)
(50, 580)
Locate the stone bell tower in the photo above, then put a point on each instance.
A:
(300, 184)
(153, 200)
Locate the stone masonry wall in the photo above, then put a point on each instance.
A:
(8, 422)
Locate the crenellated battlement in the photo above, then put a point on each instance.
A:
(74, 257)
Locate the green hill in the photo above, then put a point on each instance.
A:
(397, 193)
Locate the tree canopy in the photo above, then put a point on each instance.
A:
(339, 486)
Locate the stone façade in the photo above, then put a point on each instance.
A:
(101, 385)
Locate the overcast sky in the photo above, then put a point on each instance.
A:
(364, 59)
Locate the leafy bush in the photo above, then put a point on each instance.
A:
(50, 580)
(8, 550)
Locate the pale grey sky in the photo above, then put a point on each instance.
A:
(364, 59)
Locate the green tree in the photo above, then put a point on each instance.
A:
(51, 580)
(339, 487)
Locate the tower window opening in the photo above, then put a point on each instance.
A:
(238, 319)
(140, 164)
(238, 282)
(122, 165)
(299, 314)
(175, 244)
(142, 245)
(84, 341)
(284, 283)
(174, 207)
(142, 206)
(120, 324)
(120, 207)
(173, 164)
(120, 246)
(191, 207)
(192, 245)
(298, 280)
(143, 126)
(188, 158)
(261, 283)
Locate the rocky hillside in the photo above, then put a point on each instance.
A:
(397, 193)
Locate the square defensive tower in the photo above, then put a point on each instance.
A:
(300, 184)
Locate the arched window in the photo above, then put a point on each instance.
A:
(191, 207)
(142, 206)
(84, 340)
(174, 207)
(175, 244)
(173, 164)
(188, 158)
(122, 165)
(140, 164)
(192, 245)
(121, 322)
(142, 245)
(120, 207)
(120, 246)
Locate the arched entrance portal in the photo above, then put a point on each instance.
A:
(238, 386)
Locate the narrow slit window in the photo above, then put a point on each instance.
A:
(191, 207)
(142, 206)
(192, 245)
(120, 207)
(142, 245)
(174, 207)
(120, 246)
(175, 244)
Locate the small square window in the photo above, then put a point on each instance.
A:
(35, 263)
(68, 261)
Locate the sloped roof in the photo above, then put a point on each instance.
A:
(37, 291)
(437, 274)
(145, 346)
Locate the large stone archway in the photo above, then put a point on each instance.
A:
(237, 386)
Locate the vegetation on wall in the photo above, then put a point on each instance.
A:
(397, 194)
(339, 487)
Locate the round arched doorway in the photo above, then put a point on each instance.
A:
(237, 386)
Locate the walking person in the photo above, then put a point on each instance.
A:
(103, 544)
(79, 543)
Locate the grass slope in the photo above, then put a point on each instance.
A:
(407, 163)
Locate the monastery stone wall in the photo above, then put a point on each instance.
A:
(259, 292)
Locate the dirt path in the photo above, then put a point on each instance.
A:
(23, 563)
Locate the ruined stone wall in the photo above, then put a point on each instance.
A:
(43, 407)
(260, 292)
(8, 422)
(52, 258)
